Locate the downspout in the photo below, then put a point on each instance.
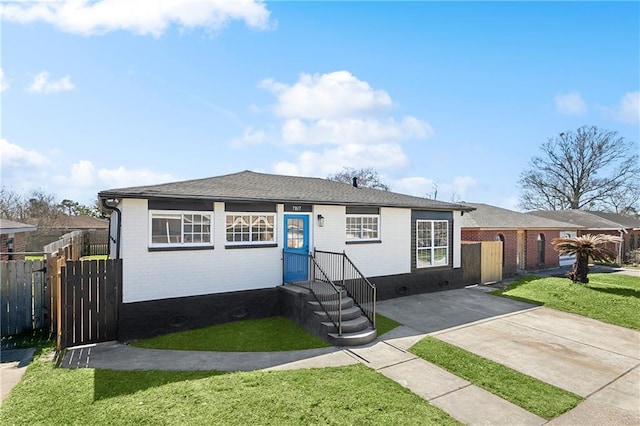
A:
(113, 208)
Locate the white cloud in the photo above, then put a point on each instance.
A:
(570, 104)
(4, 84)
(322, 164)
(349, 119)
(121, 177)
(353, 130)
(42, 84)
(323, 96)
(250, 137)
(83, 180)
(24, 170)
(338, 108)
(137, 16)
(628, 110)
(417, 186)
(12, 155)
(461, 186)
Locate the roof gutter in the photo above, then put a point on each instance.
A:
(110, 204)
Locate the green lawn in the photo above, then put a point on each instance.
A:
(262, 335)
(385, 325)
(535, 396)
(95, 257)
(612, 298)
(34, 257)
(343, 395)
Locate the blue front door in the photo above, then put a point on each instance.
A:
(296, 248)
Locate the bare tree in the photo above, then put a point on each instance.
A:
(37, 207)
(434, 194)
(366, 177)
(11, 204)
(581, 169)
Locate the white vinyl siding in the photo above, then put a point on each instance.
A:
(432, 243)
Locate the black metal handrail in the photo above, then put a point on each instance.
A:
(340, 269)
(324, 290)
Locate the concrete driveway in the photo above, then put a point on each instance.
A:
(598, 361)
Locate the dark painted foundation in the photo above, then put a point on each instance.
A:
(392, 286)
(141, 320)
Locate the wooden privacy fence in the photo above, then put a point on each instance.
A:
(86, 296)
(24, 297)
(76, 244)
(481, 262)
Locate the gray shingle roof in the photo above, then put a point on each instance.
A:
(261, 187)
(11, 227)
(490, 217)
(579, 217)
(627, 222)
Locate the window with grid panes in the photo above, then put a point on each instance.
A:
(362, 227)
(180, 228)
(250, 228)
(432, 243)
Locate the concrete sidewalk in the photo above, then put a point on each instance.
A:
(13, 364)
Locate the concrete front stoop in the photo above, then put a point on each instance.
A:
(305, 310)
(356, 328)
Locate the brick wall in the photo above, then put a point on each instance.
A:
(551, 258)
(510, 245)
(19, 245)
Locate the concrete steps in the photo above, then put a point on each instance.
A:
(307, 311)
(356, 328)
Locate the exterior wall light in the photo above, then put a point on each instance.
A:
(320, 220)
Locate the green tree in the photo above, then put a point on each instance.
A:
(585, 247)
(74, 208)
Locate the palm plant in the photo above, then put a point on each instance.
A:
(584, 248)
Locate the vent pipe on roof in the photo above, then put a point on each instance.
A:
(355, 182)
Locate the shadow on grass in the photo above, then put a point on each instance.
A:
(501, 293)
(30, 339)
(625, 292)
(114, 383)
(520, 282)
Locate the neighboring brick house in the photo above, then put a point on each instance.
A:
(526, 239)
(13, 239)
(601, 223)
(631, 234)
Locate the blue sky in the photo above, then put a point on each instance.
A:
(98, 95)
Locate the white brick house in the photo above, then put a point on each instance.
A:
(206, 247)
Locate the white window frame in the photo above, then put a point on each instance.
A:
(252, 215)
(362, 216)
(160, 214)
(432, 247)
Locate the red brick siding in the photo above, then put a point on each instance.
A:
(551, 258)
(19, 245)
(510, 247)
